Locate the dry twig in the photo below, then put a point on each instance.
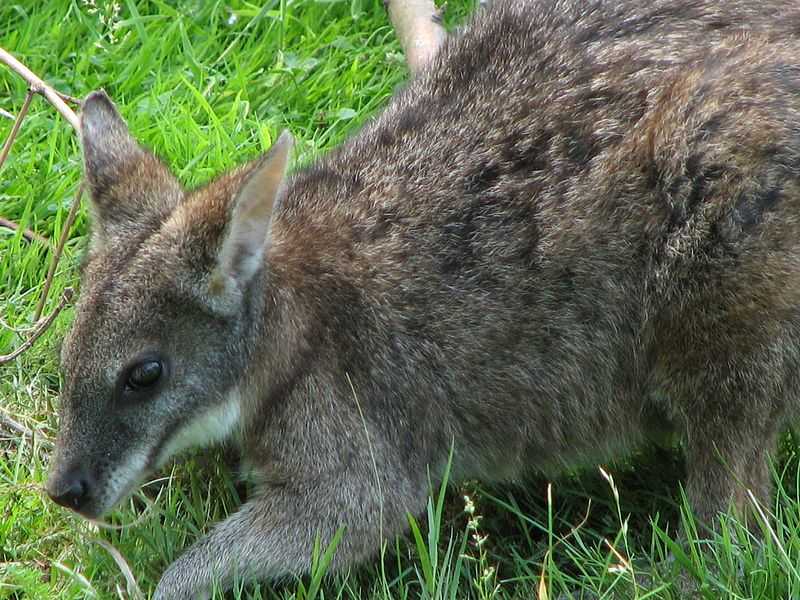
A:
(13, 425)
(417, 24)
(28, 234)
(37, 86)
(41, 327)
(57, 99)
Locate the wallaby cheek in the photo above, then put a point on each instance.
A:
(208, 425)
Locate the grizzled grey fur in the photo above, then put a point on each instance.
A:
(576, 230)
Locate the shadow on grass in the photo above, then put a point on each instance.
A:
(594, 538)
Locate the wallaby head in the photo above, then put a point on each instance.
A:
(160, 333)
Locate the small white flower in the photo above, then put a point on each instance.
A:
(469, 505)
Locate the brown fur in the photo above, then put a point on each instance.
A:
(577, 229)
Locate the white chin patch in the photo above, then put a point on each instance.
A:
(214, 425)
(124, 478)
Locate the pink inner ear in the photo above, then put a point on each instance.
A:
(247, 236)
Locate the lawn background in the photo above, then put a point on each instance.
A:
(208, 85)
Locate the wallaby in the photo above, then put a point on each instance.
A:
(575, 229)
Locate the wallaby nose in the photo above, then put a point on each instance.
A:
(71, 490)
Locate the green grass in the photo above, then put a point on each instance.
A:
(209, 85)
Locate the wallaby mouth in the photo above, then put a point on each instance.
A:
(92, 492)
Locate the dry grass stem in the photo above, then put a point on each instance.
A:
(62, 240)
(15, 128)
(134, 591)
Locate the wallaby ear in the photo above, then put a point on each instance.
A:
(247, 235)
(107, 144)
(130, 187)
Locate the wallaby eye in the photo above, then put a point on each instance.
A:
(144, 374)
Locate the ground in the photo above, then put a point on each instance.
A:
(208, 85)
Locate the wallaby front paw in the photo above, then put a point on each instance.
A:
(176, 585)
